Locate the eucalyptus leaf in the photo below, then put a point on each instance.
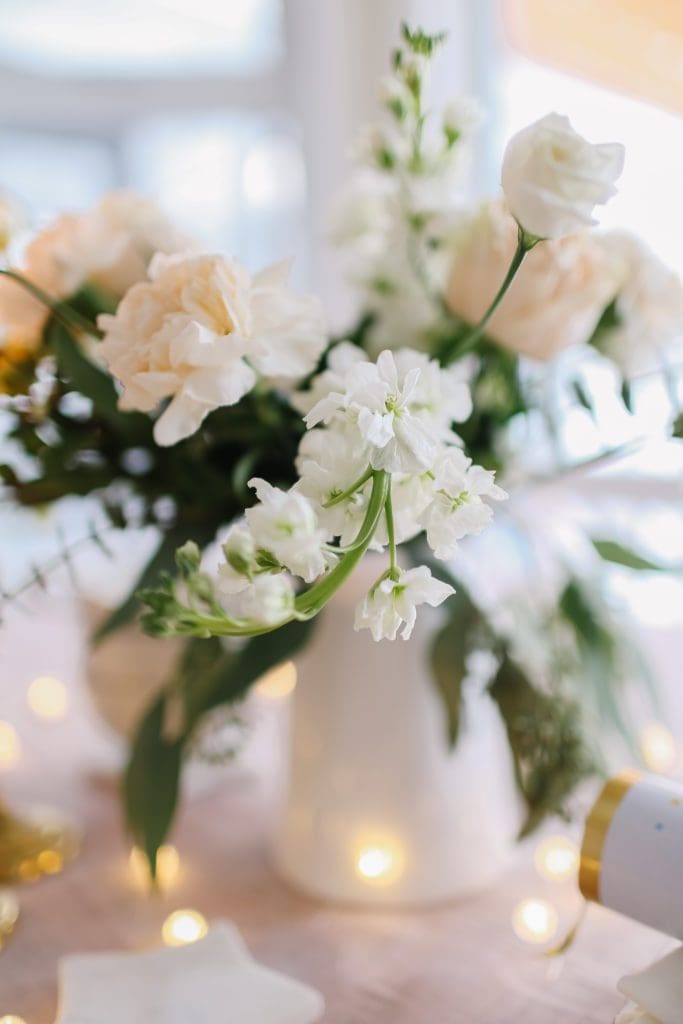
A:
(208, 676)
(448, 657)
(545, 736)
(619, 554)
(151, 783)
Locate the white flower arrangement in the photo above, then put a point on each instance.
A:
(302, 453)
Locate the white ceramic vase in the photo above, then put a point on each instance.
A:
(377, 809)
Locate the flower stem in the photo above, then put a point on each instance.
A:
(350, 491)
(61, 310)
(525, 243)
(309, 604)
(389, 513)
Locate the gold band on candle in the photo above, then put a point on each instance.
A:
(596, 829)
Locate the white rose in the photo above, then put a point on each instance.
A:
(553, 177)
(187, 333)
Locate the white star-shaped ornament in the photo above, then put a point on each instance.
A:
(657, 992)
(212, 981)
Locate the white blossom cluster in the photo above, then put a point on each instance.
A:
(393, 415)
(403, 201)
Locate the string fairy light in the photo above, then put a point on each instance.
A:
(379, 863)
(557, 858)
(10, 745)
(535, 920)
(658, 748)
(183, 927)
(47, 697)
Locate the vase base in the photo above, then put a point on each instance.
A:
(400, 893)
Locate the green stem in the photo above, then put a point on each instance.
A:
(61, 310)
(389, 513)
(525, 243)
(310, 603)
(350, 491)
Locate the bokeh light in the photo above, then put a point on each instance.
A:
(535, 920)
(47, 697)
(183, 927)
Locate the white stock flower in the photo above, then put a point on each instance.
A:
(392, 603)
(187, 333)
(441, 396)
(457, 508)
(329, 462)
(553, 177)
(285, 523)
(267, 599)
(648, 306)
(239, 549)
(340, 359)
(379, 402)
(462, 116)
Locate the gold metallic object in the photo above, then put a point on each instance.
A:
(596, 829)
(34, 846)
(9, 915)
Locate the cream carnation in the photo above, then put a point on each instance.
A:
(553, 178)
(199, 330)
(109, 246)
(556, 298)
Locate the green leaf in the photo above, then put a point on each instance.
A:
(546, 741)
(151, 783)
(233, 676)
(617, 553)
(207, 677)
(627, 394)
(448, 659)
(583, 396)
(599, 648)
(97, 385)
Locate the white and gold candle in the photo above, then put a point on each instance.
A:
(632, 851)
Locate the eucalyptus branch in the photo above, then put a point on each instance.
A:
(63, 559)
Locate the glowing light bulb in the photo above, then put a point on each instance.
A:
(168, 867)
(658, 748)
(10, 746)
(535, 920)
(11, 1018)
(379, 863)
(184, 926)
(47, 697)
(557, 858)
(279, 682)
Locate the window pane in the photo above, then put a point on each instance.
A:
(140, 37)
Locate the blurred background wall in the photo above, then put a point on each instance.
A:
(238, 115)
